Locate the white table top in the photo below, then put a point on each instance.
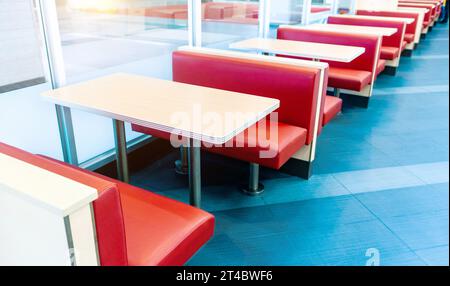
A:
(167, 106)
(417, 4)
(379, 31)
(53, 192)
(412, 9)
(311, 50)
(406, 20)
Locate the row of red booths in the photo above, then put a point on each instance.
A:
(138, 227)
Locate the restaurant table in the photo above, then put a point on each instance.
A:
(315, 51)
(165, 106)
(421, 12)
(379, 31)
(405, 20)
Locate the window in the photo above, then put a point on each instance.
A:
(225, 22)
(101, 37)
(21, 54)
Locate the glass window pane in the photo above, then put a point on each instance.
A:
(286, 12)
(20, 50)
(101, 37)
(225, 22)
(26, 121)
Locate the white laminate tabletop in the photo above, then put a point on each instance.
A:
(199, 112)
(43, 188)
(416, 4)
(311, 50)
(406, 20)
(413, 9)
(379, 31)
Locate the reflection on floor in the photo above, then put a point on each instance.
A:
(381, 183)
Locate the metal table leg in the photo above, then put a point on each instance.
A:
(254, 188)
(66, 134)
(337, 92)
(195, 176)
(181, 165)
(121, 151)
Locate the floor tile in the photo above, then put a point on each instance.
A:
(378, 179)
(433, 173)
(292, 189)
(437, 256)
(405, 201)
(348, 245)
(421, 230)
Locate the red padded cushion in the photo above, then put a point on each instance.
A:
(316, 9)
(381, 66)
(409, 38)
(410, 28)
(159, 231)
(404, 44)
(107, 208)
(333, 105)
(348, 78)
(283, 145)
(296, 87)
(428, 15)
(389, 53)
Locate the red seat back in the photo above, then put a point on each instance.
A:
(396, 40)
(296, 87)
(367, 61)
(410, 28)
(428, 15)
(107, 208)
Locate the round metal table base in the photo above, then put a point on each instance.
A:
(180, 168)
(246, 190)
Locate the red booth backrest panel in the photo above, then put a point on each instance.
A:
(388, 41)
(296, 87)
(107, 208)
(364, 62)
(410, 28)
(427, 16)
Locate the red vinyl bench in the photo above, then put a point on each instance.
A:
(410, 31)
(134, 227)
(392, 46)
(355, 78)
(299, 117)
(428, 17)
(434, 7)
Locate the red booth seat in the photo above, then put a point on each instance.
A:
(333, 106)
(381, 66)
(390, 53)
(296, 87)
(420, 4)
(410, 28)
(319, 9)
(134, 227)
(409, 38)
(391, 44)
(428, 17)
(355, 75)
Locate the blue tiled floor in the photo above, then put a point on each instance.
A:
(381, 182)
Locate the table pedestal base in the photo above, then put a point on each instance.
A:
(195, 177)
